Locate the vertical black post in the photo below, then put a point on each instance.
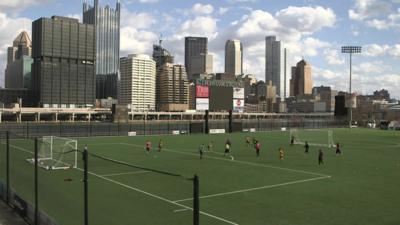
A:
(230, 121)
(196, 201)
(27, 129)
(85, 186)
(207, 129)
(8, 167)
(36, 184)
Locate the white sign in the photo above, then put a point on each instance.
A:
(202, 104)
(238, 105)
(176, 132)
(217, 131)
(238, 93)
(131, 133)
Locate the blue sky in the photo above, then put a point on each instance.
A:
(313, 29)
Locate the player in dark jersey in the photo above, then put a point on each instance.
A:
(201, 151)
(210, 146)
(306, 147)
(258, 148)
(292, 140)
(320, 157)
(338, 151)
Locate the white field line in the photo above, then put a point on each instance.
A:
(237, 161)
(180, 210)
(255, 189)
(159, 197)
(127, 173)
(144, 192)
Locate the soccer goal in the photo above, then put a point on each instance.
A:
(321, 138)
(57, 153)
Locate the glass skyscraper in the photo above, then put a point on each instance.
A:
(107, 25)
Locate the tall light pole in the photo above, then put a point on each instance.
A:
(351, 50)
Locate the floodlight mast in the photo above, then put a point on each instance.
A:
(351, 50)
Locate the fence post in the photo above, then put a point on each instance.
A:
(27, 129)
(196, 201)
(8, 167)
(85, 186)
(36, 184)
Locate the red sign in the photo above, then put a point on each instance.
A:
(202, 91)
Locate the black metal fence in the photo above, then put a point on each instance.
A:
(48, 197)
(149, 127)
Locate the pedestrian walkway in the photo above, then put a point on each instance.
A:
(8, 216)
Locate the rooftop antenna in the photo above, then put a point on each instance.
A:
(160, 39)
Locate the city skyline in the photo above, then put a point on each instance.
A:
(318, 36)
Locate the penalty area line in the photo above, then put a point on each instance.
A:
(127, 173)
(255, 189)
(159, 197)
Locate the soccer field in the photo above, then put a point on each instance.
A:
(361, 186)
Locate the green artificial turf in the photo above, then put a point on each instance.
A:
(361, 186)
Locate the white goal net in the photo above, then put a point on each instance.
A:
(57, 153)
(321, 138)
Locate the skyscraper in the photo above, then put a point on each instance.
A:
(138, 82)
(107, 24)
(18, 70)
(301, 82)
(275, 65)
(202, 64)
(234, 57)
(161, 55)
(63, 62)
(194, 46)
(172, 88)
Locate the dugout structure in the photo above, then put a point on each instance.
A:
(320, 138)
(57, 153)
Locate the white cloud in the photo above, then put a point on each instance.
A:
(20, 5)
(375, 50)
(306, 19)
(200, 9)
(365, 9)
(136, 41)
(200, 26)
(332, 57)
(223, 10)
(138, 20)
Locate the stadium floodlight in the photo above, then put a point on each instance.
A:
(351, 50)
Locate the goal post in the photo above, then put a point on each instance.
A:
(57, 153)
(314, 137)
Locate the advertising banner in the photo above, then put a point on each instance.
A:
(202, 104)
(238, 105)
(202, 91)
(238, 93)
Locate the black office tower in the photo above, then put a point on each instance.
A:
(63, 62)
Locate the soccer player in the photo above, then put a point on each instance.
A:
(281, 154)
(201, 151)
(292, 140)
(320, 157)
(148, 146)
(248, 141)
(338, 151)
(160, 145)
(228, 151)
(210, 146)
(306, 147)
(254, 142)
(228, 142)
(258, 147)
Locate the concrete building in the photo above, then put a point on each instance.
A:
(194, 46)
(63, 62)
(301, 82)
(107, 25)
(172, 88)
(276, 65)
(234, 57)
(19, 63)
(327, 95)
(161, 55)
(202, 64)
(138, 83)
